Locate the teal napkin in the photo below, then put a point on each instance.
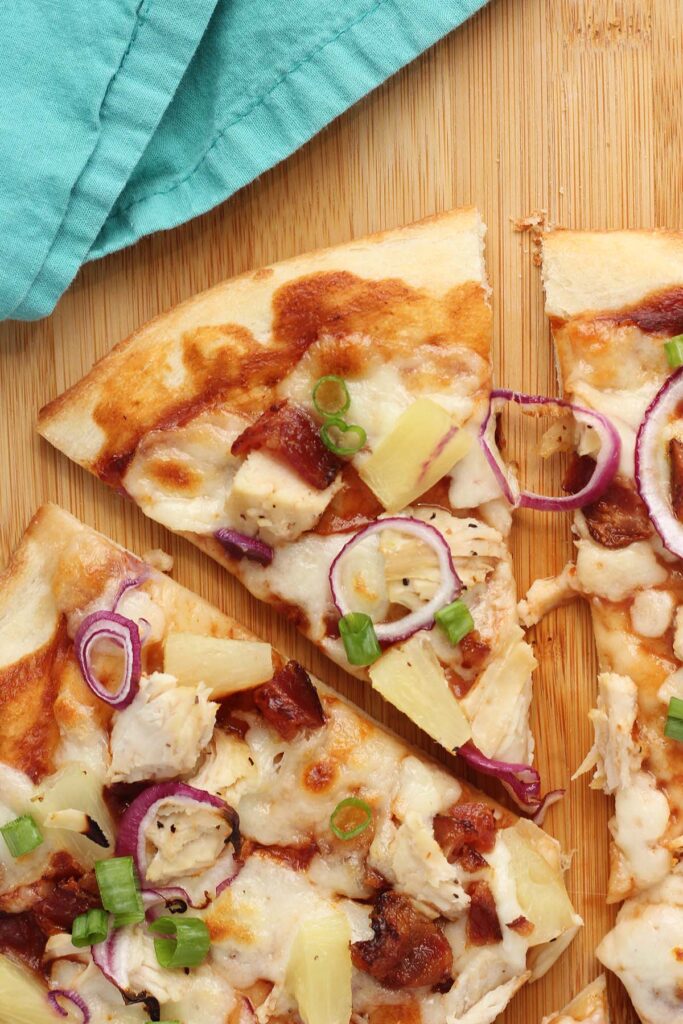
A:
(123, 117)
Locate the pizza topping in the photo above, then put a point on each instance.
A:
(618, 517)
(674, 720)
(21, 936)
(606, 465)
(674, 351)
(68, 995)
(89, 928)
(342, 438)
(163, 732)
(181, 942)
(123, 633)
(21, 835)
(289, 432)
(407, 949)
(331, 396)
(456, 621)
(483, 926)
(226, 664)
(521, 780)
(118, 884)
(652, 612)
(658, 463)
(359, 638)
(319, 970)
(239, 545)
(174, 830)
(449, 585)
(465, 829)
(289, 702)
(350, 818)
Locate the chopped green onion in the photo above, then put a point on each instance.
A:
(21, 835)
(674, 722)
(183, 943)
(118, 886)
(455, 620)
(90, 928)
(337, 423)
(357, 803)
(337, 385)
(359, 638)
(674, 351)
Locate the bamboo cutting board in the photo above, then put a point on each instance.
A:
(569, 106)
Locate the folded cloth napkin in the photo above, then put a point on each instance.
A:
(122, 117)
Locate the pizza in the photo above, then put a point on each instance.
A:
(315, 426)
(615, 301)
(191, 828)
(589, 1007)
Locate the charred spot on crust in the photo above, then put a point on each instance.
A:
(659, 313)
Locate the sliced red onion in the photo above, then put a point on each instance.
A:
(606, 464)
(125, 634)
(107, 956)
(137, 818)
(158, 902)
(56, 994)
(129, 583)
(422, 618)
(521, 780)
(239, 545)
(652, 468)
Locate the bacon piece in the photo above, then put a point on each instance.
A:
(288, 431)
(407, 949)
(676, 457)
(473, 650)
(483, 926)
(289, 701)
(465, 832)
(21, 936)
(522, 925)
(619, 516)
(62, 893)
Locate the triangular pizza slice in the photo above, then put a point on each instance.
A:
(191, 829)
(615, 300)
(315, 426)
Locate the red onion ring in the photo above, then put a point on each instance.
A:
(55, 994)
(131, 838)
(106, 956)
(422, 618)
(239, 545)
(521, 780)
(129, 583)
(606, 464)
(652, 470)
(121, 631)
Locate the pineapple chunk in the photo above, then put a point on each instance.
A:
(411, 678)
(22, 997)
(75, 788)
(225, 665)
(319, 970)
(541, 892)
(423, 446)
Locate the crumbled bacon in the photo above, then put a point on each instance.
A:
(21, 936)
(676, 458)
(465, 832)
(289, 432)
(289, 701)
(619, 516)
(522, 925)
(483, 926)
(407, 949)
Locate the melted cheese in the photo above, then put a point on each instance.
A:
(162, 732)
(651, 612)
(618, 573)
(625, 408)
(472, 482)
(644, 949)
(640, 821)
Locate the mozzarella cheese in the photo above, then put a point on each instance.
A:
(472, 482)
(617, 573)
(678, 633)
(651, 612)
(162, 732)
(640, 821)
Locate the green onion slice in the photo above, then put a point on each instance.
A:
(355, 441)
(358, 804)
(183, 943)
(455, 620)
(331, 396)
(21, 835)
(674, 351)
(118, 885)
(359, 638)
(674, 722)
(90, 928)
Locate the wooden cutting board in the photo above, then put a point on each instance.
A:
(569, 106)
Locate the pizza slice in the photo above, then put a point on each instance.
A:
(191, 829)
(316, 428)
(589, 1007)
(615, 301)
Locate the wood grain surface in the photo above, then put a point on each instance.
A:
(574, 107)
